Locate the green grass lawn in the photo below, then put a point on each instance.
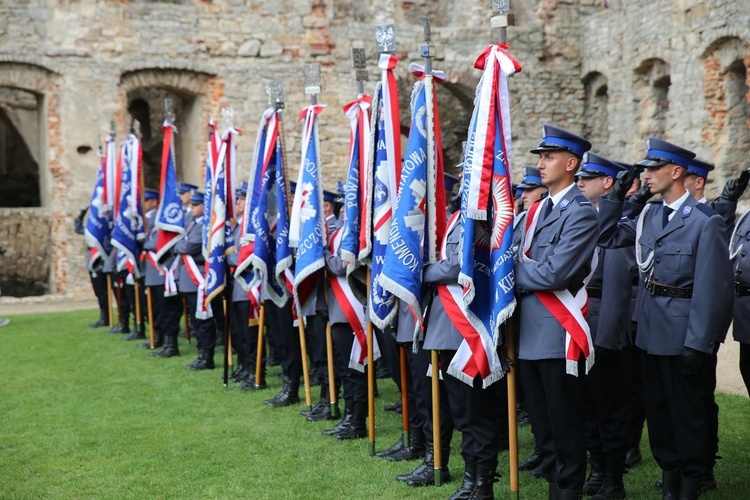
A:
(85, 415)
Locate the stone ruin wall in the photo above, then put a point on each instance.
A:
(616, 74)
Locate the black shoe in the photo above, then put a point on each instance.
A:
(397, 446)
(381, 370)
(317, 407)
(134, 335)
(467, 486)
(286, 397)
(485, 481)
(417, 448)
(670, 485)
(325, 414)
(357, 428)
(395, 407)
(613, 487)
(596, 477)
(345, 422)
(537, 472)
(532, 462)
(100, 322)
(252, 386)
(427, 477)
(169, 349)
(633, 458)
(522, 417)
(706, 484)
(118, 328)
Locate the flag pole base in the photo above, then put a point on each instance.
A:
(405, 435)
(514, 495)
(372, 448)
(438, 477)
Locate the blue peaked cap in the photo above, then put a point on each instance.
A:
(532, 178)
(557, 139)
(661, 152)
(185, 187)
(197, 198)
(150, 194)
(594, 165)
(699, 168)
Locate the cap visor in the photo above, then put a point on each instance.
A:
(541, 149)
(651, 162)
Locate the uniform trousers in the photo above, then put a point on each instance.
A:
(414, 390)
(354, 382)
(608, 387)
(99, 284)
(166, 311)
(555, 403)
(204, 330)
(244, 336)
(636, 412)
(679, 425)
(287, 336)
(478, 414)
(390, 353)
(745, 364)
(315, 338)
(418, 364)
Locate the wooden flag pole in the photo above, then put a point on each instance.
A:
(436, 442)
(305, 367)
(404, 396)
(110, 303)
(501, 19)
(370, 386)
(261, 340)
(331, 373)
(150, 306)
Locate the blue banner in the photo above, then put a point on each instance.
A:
(169, 215)
(98, 223)
(405, 254)
(128, 227)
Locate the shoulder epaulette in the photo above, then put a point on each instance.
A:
(710, 212)
(583, 201)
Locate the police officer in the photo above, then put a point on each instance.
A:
(609, 317)
(683, 314)
(740, 253)
(189, 249)
(98, 278)
(186, 192)
(554, 259)
(531, 187)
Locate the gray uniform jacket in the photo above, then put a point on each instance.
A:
(561, 249)
(440, 332)
(191, 244)
(238, 293)
(741, 264)
(690, 252)
(335, 267)
(152, 276)
(610, 315)
(406, 324)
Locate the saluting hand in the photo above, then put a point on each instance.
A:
(642, 195)
(734, 188)
(622, 184)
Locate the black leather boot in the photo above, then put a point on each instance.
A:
(633, 458)
(288, 396)
(102, 321)
(134, 335)
(467, 486)
(239, 370)
(397, 446)
(569, 494)
(357, 428)
(427, 463)
(670, 485)
(597, 474)
(485, 482)
(204, 362)
(169, 349)
(532, 461)
(688, 488)
(284, 392)
(424, 475)
(343, 424)
(158, 341)
(415, 450)
(613, 487)
(321, 405)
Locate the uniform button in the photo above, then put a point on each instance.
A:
(678, 250)
(739, 271)
(744, 254)
(658, 260)
(659, 244)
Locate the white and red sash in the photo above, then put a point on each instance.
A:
(353, 310)
(476, 355)
(202, 310)
(568, 309)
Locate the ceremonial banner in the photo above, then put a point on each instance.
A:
(212, 158)
(355, 194)
(487, 271)
(408, 248)
(382, 189)
(307, 228)
(98, 223)
(169, 216)
(128, 226)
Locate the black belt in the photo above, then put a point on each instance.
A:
(659, 290)
(741, 290)
(594, 292)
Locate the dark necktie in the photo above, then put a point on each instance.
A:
(665, 216)
(547, 208)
